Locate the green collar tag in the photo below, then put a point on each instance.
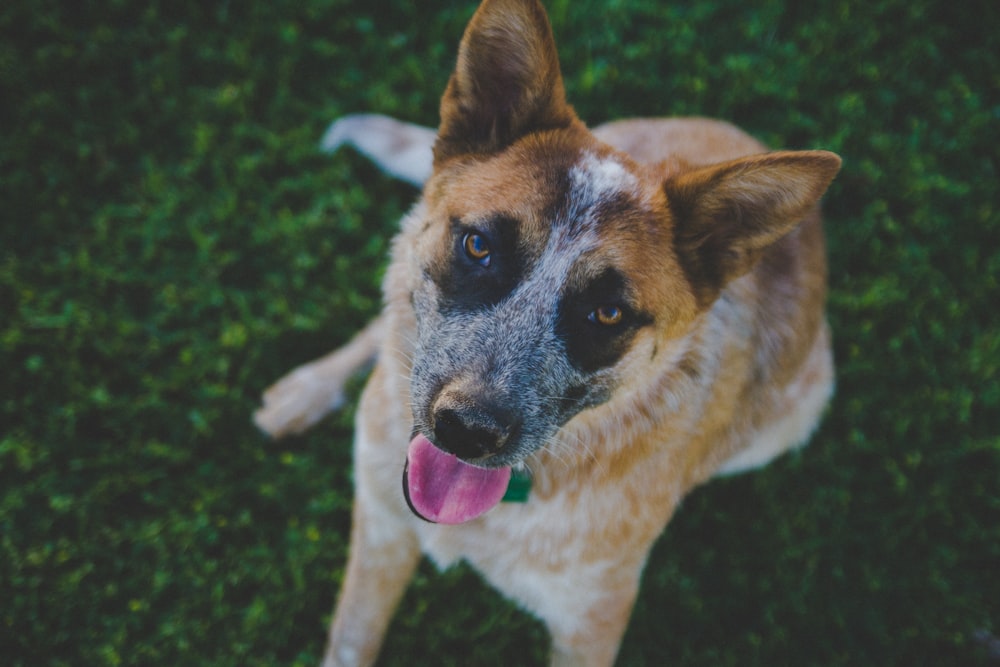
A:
(519, 487)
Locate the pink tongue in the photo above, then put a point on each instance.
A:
(444, 489)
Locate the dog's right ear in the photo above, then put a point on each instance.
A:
(506, 84)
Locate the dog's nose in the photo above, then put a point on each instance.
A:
(472, 432)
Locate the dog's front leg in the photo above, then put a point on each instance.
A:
(384, 546)
(592, 638)
(383, 554)
(379, 567)
(585, 597)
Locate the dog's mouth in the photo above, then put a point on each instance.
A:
(441, 488)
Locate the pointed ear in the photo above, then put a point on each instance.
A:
(506, 83)
(727, 214)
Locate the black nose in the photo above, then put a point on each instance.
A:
(472, 432)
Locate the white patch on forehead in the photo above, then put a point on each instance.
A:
(575, 232)
(595, 178)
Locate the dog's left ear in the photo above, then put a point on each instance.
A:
(727, 214)
(506, 83)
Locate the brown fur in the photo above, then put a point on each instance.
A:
(723, 250)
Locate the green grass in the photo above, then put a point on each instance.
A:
(172, 241)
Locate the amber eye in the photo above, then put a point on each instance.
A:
(606, 315)
(477, 248)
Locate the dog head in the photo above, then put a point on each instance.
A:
(546, 268)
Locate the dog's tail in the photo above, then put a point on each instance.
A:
(313, 390)
(403, 150)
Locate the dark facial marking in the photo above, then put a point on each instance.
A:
(597, 322)
(483, 267)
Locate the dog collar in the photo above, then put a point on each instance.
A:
(518, 488)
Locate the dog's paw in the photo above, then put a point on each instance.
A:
(297, 401)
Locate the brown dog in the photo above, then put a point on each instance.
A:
(616, 315)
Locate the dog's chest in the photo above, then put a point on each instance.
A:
(510, 533)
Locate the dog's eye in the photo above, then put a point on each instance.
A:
(607, 315)
(476, 248)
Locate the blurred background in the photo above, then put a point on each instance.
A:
(172, 241)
